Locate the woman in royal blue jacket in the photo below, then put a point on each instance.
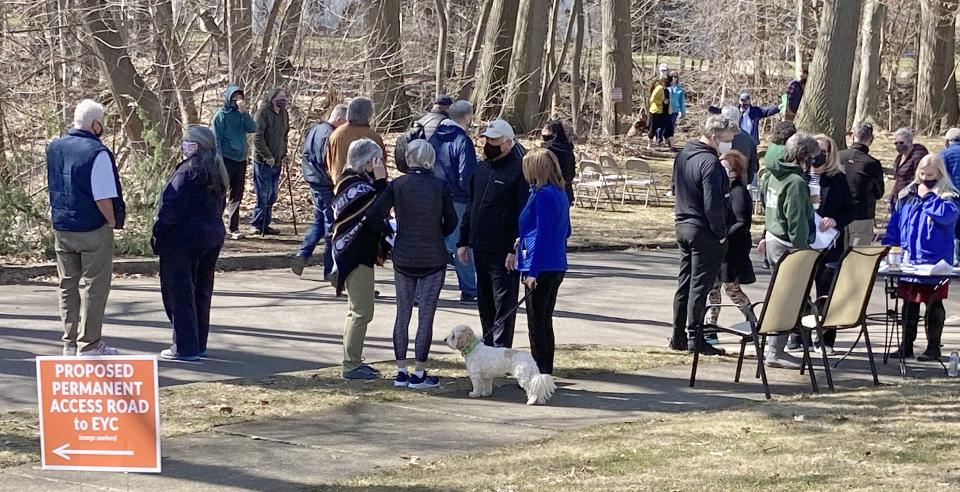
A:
(187, 235)
(922, 224)
(542, 249)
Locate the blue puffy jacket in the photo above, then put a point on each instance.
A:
(924, 227)
(544, 228)
(456, 158)
(951, 160)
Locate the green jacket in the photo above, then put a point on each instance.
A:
(272, 129)
(787, 200)
(231, 128)
(775, 153)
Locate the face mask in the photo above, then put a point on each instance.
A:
(724, 147)
(902, 148)
(819, 160)
(491, 151)
(235, 103)
(930, 183)
(99, 133)
(189, 148)
(546, 137)
(280, 103)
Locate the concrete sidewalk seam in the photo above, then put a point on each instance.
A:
(287, 443)
(12, 473)
(467, 417)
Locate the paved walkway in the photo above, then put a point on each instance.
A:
(269, 322)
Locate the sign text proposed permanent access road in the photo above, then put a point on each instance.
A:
(99, 413)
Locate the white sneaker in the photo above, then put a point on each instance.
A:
(236, 236)
(69, 351)
(781, 363)
(100, 349)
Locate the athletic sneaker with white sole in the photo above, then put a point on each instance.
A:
(423, 382)
(100, 349)
(402, 380)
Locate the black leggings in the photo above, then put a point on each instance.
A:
(540, 304)
(407, 290)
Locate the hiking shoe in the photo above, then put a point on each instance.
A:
(100, 349)
(678, 344)
(270, 231)
(299, 262)
(360, 372)
(171, 354)
(237, 235)
(705, 348)
(425, 382)
(931, 354)
(712, 339)
(781, 363)
(468, 300)
(402, 380)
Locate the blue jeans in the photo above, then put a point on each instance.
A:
(266, 180)
(323, 220)
(466, 273)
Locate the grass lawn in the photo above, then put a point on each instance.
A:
(197, 407)
(892, 438)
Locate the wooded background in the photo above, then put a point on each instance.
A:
(159, 65)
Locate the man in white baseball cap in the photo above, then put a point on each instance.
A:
(489, 230)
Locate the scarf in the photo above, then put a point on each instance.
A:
(354, 194)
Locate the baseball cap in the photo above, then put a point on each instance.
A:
(498, 129)
(663, 67)
(443, 100)
(744, 96)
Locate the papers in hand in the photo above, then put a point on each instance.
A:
(825, 239)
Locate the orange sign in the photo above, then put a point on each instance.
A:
(99, 413)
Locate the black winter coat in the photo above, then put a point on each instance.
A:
(836, 203)
(498, 193)
(701, 186)
(425, 215)
(865, 179)
(737, 266)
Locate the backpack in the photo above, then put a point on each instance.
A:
(416, 132)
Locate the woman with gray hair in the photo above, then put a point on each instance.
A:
(358, 245)
(425, 215)
(789, 215)
(187, 236)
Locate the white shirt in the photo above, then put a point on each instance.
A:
(102, 179)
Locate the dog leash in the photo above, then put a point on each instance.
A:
(509, 313)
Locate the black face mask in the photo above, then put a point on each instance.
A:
(491, 151)
(818, 161)
(547, 138)
(930, 183)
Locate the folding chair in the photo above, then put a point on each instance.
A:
(784, 306)
(851, 290)
(592, 179)
(613, 171)
(638, 175)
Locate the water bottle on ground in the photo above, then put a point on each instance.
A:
(954, 368)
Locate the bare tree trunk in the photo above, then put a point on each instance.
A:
(824, 105)
(930, 77)
(238, 20)
(124, 81)
(384, 72)
(162, 14)
(550, 84)
(441, 44)
(948, 41)
(289, 30)
(268, 33)
(495, 58)
(868, 91)
(854, 82)
(616, 63)
(470, 71)
(521, 106)
(760, 28)
(798, 40)
(576, 78)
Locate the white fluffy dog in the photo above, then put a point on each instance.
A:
(485, 363)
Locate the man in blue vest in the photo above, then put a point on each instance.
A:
(86, 204)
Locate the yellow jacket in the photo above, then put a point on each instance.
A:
(657, 97)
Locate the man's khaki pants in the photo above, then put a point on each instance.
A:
(860, 233)
(86, 255)
(359, 286)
